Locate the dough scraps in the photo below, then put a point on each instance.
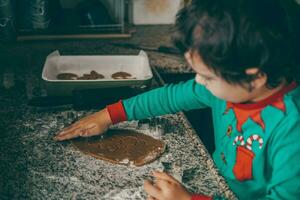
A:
(122, 75)
(70, 76)
(67, 76)
(126, 147)
(91, 76)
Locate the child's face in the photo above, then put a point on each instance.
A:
(215, 84)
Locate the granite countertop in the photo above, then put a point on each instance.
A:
(34, 166)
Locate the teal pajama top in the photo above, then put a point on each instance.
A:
(257, 145)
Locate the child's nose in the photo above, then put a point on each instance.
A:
(188, 57)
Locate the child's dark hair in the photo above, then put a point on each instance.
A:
(233, 35)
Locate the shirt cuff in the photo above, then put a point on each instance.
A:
(201, 197)
(117, 112)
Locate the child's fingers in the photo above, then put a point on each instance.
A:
(162, 183)
(164, 176)
(151, 190)
(68, 130)
(65, 135)
(72, 127)
(64, 132)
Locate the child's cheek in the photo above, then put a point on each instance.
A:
(221, 92)
(221, 95)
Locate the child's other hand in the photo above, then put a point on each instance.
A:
(165, 188)
(93, 124)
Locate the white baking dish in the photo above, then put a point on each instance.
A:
(136, 65)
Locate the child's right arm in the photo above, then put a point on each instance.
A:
(165, 100)
(168, 99)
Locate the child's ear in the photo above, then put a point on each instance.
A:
(260, 78)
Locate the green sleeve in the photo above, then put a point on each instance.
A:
(169, 99)
(284, 157)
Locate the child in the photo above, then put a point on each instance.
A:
(244, 53)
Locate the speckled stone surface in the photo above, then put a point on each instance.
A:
(34, 166)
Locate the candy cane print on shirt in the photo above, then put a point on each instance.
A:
(242, 169)
(251, 114)
(240, 139)
(252, 138)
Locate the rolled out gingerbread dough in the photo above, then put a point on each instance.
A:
(125, 147)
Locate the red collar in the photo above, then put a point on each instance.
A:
(266, 101)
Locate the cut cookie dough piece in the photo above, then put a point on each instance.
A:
(124, 147)
(91, 76)
(121, 75)
(67, 76)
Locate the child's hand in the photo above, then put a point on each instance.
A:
(93, 124)
(165, 188)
